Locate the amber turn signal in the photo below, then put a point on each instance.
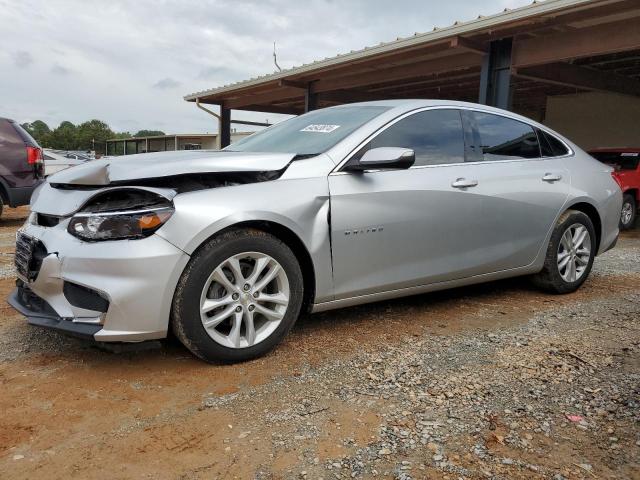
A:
(153, 220)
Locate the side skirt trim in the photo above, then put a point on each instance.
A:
(432, 287)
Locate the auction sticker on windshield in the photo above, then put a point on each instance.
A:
(320, 128)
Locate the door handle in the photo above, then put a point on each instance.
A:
(551, 177)
(464, 183)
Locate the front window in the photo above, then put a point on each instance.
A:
(309, 134)
(435, 136)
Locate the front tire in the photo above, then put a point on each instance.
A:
(628, 212)
(238, 297)
(570, 254)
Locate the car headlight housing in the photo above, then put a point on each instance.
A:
(135, 216)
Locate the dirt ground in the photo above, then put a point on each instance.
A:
(491, 381)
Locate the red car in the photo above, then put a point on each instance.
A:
(626, 162)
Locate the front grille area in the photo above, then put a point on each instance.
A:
(29, 255)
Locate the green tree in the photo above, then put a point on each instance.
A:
(92, 135)
(38, 130)
(122, 135)
(64, 137)
(149, 133)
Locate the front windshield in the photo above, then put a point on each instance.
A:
(309, 134)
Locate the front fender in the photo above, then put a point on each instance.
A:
(299, 204)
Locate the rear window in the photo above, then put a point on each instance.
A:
(28, 139)
(618, 160)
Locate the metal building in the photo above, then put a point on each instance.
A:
(163, 143)
(572, 64)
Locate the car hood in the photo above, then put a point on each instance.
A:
(116, 170)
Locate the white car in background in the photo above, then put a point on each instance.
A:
(55, 161)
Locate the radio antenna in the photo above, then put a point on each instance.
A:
(275, 58)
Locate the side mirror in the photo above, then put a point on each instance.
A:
(384, 158)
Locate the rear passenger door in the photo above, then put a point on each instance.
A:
(519, 190)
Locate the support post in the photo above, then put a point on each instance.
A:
(225, 126)
(495, 76)
(310, 98)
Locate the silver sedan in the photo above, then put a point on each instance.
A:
(337, 207)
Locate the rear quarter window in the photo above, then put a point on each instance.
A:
(550, 145)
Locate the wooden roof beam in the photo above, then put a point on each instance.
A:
(431, 80)
(273, 96)
(416, 70)
(286, 110)
(569, 75)
(350, 96)
(468, 45)
(293, 84)
(585, 42)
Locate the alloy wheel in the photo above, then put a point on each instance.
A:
(627, 213)
(244, 300)
(574, 252)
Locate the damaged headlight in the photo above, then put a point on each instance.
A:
(100, 221)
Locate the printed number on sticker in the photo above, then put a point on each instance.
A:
(320, 128)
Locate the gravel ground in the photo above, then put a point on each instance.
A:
(493, 381)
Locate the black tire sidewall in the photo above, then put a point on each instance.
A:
(560, 284)
(631, 200)
(186, 306)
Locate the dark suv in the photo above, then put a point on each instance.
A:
(21, 164)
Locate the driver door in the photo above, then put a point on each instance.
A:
(393, 229)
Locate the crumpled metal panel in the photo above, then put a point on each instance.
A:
(166, 164)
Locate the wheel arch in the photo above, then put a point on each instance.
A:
(632, 191)
(592, 212)
(293, 241)
(4, 192)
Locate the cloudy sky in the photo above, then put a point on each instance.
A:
(129, 63)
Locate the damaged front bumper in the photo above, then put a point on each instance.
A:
(111, 291)
(39, 313)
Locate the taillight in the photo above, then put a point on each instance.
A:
(617, 179)
(34, 155)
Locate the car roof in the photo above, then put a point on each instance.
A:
(615, 150)
(418, 103)
(400, 106)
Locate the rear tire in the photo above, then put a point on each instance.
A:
(628, 212)
(569, 259)
(222, 308)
